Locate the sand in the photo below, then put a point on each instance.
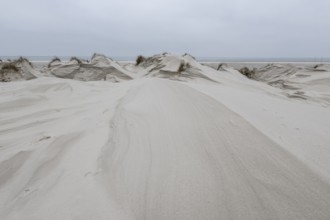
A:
(149, 142)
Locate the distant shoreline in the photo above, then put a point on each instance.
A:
(41, 59)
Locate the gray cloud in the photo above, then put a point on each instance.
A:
(226, 28)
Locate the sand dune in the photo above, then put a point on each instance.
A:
(99, 68)
(302, 82)
(172, 139)
(20, 69)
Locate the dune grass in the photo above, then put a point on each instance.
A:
(140, 59)
(247, 72)
(10, 66)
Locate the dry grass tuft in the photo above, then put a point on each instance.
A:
(247, 72)
(140, 59)
(10, 66)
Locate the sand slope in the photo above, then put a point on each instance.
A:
(301, 82)
(214, 145)
(209, 163)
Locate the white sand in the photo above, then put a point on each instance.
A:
(203, 144)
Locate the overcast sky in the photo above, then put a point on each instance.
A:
(212, 28)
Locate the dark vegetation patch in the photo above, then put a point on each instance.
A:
(247, 72)
(140, 59)
(10, 66)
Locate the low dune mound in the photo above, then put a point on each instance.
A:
(101, 60)
(99, 68)
(17, 70)
(173, 67)
(54, 62)
(303, 82)
(273, 72)
(321, 67)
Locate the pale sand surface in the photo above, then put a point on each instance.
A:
(157, 144)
